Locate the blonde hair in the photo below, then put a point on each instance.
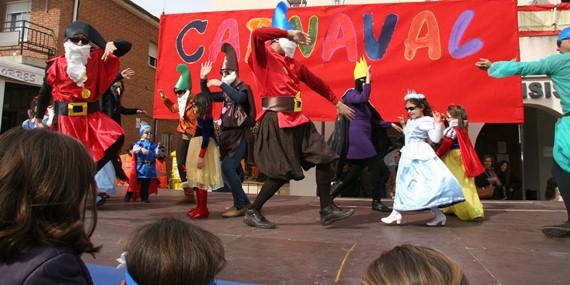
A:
(411, 265)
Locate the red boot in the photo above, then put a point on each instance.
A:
(201, 211)
(192, 211)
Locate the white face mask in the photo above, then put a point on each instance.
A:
(77, 57)
(230, 78)
(288, 47)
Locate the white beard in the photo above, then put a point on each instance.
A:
(288, 47)
(230, 78)
(77, 57)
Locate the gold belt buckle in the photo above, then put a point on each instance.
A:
(71, 109)
(298, 103)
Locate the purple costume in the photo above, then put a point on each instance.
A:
(360, 130)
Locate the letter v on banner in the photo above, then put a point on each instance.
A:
(312, 30)
(375, 49)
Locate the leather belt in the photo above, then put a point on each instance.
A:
(283, 103)
(74, 109)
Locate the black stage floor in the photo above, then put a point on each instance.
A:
(508, 247)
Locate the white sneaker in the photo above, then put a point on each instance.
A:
(394, 218)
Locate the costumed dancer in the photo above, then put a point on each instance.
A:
(557, 67)
(422, 181)
(238, 116)
(111, 105)
(145, 152)
(457, 152)
(203, 162)
(360, 147)
(288, 141)
(77, 81)
(186, 124)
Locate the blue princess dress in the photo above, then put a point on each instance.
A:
(423, 181)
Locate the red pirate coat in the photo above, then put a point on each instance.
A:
(95, 130)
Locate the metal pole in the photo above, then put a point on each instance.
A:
(75, 10)
(521, 143)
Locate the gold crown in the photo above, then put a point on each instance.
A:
(360, 68)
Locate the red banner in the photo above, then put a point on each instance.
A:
(430, 47)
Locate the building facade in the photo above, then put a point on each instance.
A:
(33, 31)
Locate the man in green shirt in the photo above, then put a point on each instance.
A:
(557, 67)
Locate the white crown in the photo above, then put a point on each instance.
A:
(414, 95)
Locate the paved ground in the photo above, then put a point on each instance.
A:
(506, 248)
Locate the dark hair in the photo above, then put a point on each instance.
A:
(422, 103)
(170, 251)
(459, 113)
(498, 166)
(409, 264)
(44, 179)
(358, 83)
(203, 103)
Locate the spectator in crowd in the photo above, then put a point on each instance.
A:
(487, 183)
(46, 186)
(170, 251)
(417, 265)
(510, 185)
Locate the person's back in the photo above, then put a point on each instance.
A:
(43, 191)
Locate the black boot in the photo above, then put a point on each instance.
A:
(336, 189)
(333, 213)
(562, 230)
(254, 218)
(378, 206)
(128, 197)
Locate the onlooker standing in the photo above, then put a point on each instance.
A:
(45, 192)
(487, 183)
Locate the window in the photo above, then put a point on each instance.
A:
(17, 17)
(152, 55)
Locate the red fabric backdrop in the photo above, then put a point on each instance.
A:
(430, 47)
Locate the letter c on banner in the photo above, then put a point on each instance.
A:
(200, 26)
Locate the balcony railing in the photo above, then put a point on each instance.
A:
(22, 36)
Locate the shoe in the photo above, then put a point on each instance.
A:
(336, 189)
(233, 212)
(333, 213)
(557, 231)
(100, 200)
(190, 213)
(201, 211)
(438, 220)
(378, 206)
(188, 197)
(395, 218)
(128, 197)
(254, 218)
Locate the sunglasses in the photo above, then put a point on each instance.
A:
(83, 41)
(179, 91)
(148, 133)
(409, 109)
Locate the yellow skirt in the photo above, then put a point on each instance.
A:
(472, 208)
(210, 176)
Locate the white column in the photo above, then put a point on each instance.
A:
(2, 91)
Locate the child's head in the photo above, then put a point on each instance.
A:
(457, 112)
(416, 105)
(409, 264)
(45, 179)
(145, 131)
(170, 251)
(202, 104)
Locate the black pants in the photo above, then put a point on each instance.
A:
(377, 171)
(181, 153)
(563, 180)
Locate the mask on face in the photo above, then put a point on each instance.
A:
(288, 47)
(230, 78)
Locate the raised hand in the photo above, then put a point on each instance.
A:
(127, 73)
(214, 82)
(299, 37)
(109, 49)
(206, 69)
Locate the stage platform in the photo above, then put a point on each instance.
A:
(507, 247)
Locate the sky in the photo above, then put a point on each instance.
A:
(156, 7)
